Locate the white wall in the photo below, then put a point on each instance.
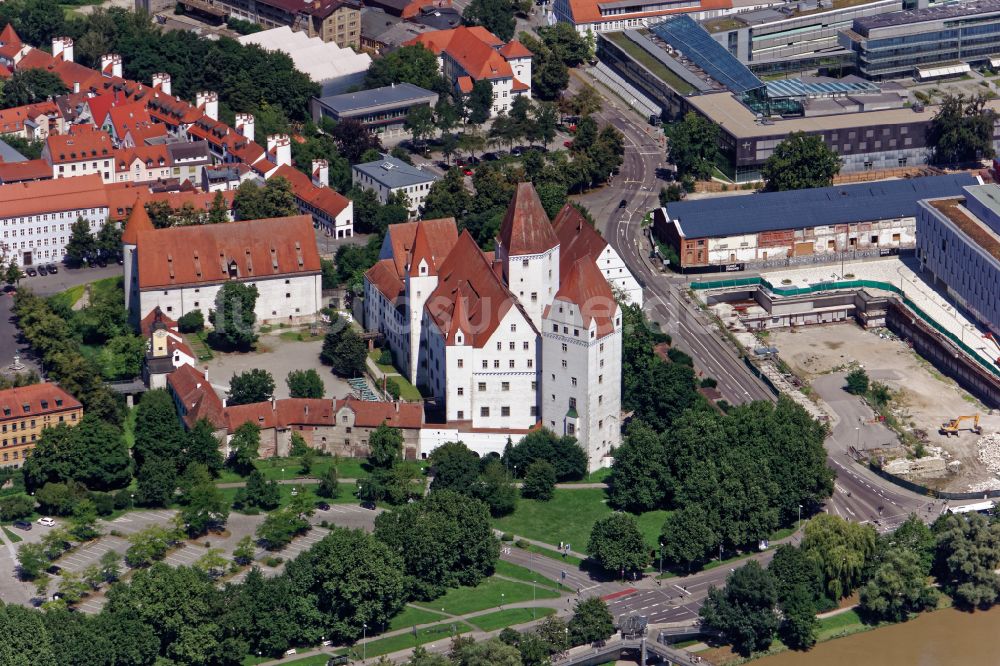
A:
(619, 276)
(45, 235)
(534, 283)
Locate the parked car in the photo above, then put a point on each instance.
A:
(120, 261)
(289, 653)
(622, 203)
(322, 506)
(103, 263)
(472, 160)
(368, 504)
(490, 157)
(339, 660)
(31, 272)
(42, 270)
(22, 525)
(45, 521)
(55, 570)
(52, 268)
(568, 144)
(516, 152)
(467, 172)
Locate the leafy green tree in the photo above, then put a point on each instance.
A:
(539, 481)
(857, 381)
(490, 652)
(13, 273)
(274, 199)
(446, 540)
(447, 197)
(638, 475)
(250, 386)
(261, 493)
(694, 146)
(348, 356)
(212, 562)
(794, 571)
(280, 527)
(800, 161)
(842, 549)
(202, 447)
(234, 316)
(744, 609)
(15, 507)
(30, 86)
(962, 130)
(914, 534)
(205, 509)
(71, 587)
(305, 384)
(245, 550)
(92, 452)
(687, 536)
(156, 482)
(480, 101)
(244, 448)
(27, 642)
(218, 212)
(110, 563)
(564, 453)
(81, 246)
(354, 139)
(408, 64)
(31, 560)
(968, 555)
(617, 546)
(798, 624)
(419, 123)
(497, 16)
(59, 499)
(898, 587)
(497, 489)
(191, 322)
(32, 150)
(454, 467)
(83, 523)
(329, 487)
(149, 545)
(385, 446)
(591, 621)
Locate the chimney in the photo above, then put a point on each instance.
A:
(161, 80)
(62, 46)
(76, 86)
(111, 65)
(321, 173)
(208, 102)
(244, 125)
(280, 147)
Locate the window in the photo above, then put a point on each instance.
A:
(499, 346)
(534, 296)
(534, 386)
(564, 363)
(482, 386)
(486, 364)
(511, 346)
(566, 348)
(513, 328)
(461, 390)
(600, 379)
(496, 364)
(510, 364)
(573, 380)
(531, 362)
(348, 430)
(524, 345)
(505, 411)
(534, 410)
(572, 403)
(600, 400)
(602, 346)
(460, 415)
(484, 411)
(555, 327)
(461, 362)
(570, 429)
(576, 332)
(504, 386)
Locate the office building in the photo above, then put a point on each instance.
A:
(390, 175)
(595, 16)
(382, 110)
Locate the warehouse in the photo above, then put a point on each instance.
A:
(775, 229)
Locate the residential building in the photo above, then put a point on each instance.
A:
(26, 411)
(800, 227)
(958, 245)
(83, 151)
(467, 55)
(337, 21)
(181, 269)
(595, 16)
(390, 175)
(335, 66)
(329, 209)
(896, 45)
(381, 110)
(382, 32)
(225, 177)
(195, 399)
(36, 217)
(33, 122)
(508, 340)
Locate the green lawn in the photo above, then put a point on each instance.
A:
(847, 622)
(569, 517)
(130, 427)
(199, 345)
(600, 476)
(504, 568)
(437, 632)
(346, 494)
(487, 594)
(386, 368)
(509, 617)
(412, 616)
(271, 468)
(12, 536)
(315, 660)
(302, 335)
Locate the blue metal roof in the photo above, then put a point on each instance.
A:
(817, 207)
(800, 88)
(694, 42)
(400, 93)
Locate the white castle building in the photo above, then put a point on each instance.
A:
(528, 336)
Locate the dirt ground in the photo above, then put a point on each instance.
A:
(923, 397)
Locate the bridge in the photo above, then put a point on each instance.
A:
(640, 648)
(127, 386)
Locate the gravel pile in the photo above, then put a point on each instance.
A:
(989, 452)
(983, 486)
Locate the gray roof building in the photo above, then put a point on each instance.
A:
(380, 109)
(8, 154)
(392, 173)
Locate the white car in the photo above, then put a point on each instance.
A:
(45, 521)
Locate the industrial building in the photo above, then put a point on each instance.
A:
(958, 245)
(775, 229)
(334, 66)
(382, 110)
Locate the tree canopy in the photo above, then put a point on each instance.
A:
(250, 386)
(962, 130)
(744, 610)
(693, 146)
(234, 315)
(800, 161)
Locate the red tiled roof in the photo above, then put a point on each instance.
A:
(478, 58)
(12, 120)
(196, 395)
(578, 239)
(282, 413)
(82, 144)
(588, 11)
(518, 86)
(329, 201)
(441, 237)
(202, 254)
(438, 40)
(16, 172)
(383, 277)
(584, 284)
(465, 84)
(138, 221)
(467, 275)
(49, 196)
(526, 228)
(368, 414)
(129, 116)
(34, 59)
(10, 43)
(156, 315)
(515, 49)
(151, 156)
(15, 399)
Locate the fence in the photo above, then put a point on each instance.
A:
(924, 490)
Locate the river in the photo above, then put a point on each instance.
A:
(943, 638)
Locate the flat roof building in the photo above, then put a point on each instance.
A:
(335, 67)
(598, 16)
(390, 175)
(383, 110)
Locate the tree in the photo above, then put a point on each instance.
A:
(149, 545)
(539, 481)
(799, 624)
(261, 493)
(205, 508)
(898, 587)
(744, 609)
(385, 446)
(546, 119)
(329, 487)
(454, 467)
(81, 246)
(218, 212)
(212, 562)
(842, 550)
(83, 522)
(497, 16)
(687, 536)
(800, 161)
(13, 274)
(968, 554)
(93, 453)
(280, 527)
(564, 453)
(638, 475)
(348, 355)
(566, 43)
(793, 572)
(110, 563)
(15, 507)
(617, 546)
(490, 652)
(446, 540)
(408, 64)
(156, 482)
(480, 101)
(31, 560)
(591, 622)
(30, 86)
(694, 146)
(59, 499)
(244, 447)
(274, 199)
(962, 130)
(913, 534)
(191, 322)
(354, 139)
(857, 381)
(202, 447)
(298, 447)
(71, 587)
(245, 550)
(234, 315)
(447, 197)
(419, 123)
(250, 386)
(305, 384)
(497, 489)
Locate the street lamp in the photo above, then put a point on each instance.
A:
(501, 600)
(661, 558)
(798, 523)
(364, 645)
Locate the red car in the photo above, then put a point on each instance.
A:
(467, 172)
(568, 144)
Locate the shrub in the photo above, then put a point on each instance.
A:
(385, 358)
(273, 561)
(521, 543)
(103, 502)
(506, 536)
(192, 322)
(392, 388)
(15, 507)
(709, 382)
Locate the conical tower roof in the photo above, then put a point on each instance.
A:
(138, 220)
(526, 228)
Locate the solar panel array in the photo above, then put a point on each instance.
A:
(694, 42)
(800, 88)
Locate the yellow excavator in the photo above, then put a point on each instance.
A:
(952, 427)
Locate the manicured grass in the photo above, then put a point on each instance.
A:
(309, 491)
(412, 616)
(487, 594)
(386, 368)
(199, 345)
(438, 632)
(314, 660)
(651, 524)
(600, 476)
(509, 617)
(846, 622)
(504, 568)
(407, 391)
(129, 427)
(299, 336)
(11, 536)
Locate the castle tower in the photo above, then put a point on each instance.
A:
(138, 221)
(421, 280)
